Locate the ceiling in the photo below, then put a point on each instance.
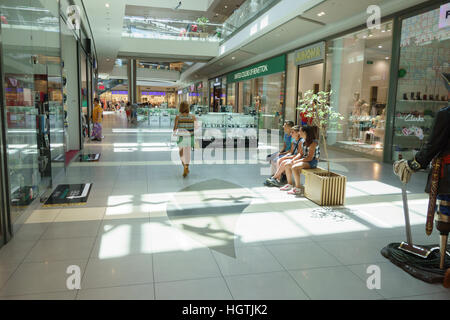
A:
(294, 33)
(218, 12)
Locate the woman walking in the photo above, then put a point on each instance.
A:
(185, 123)
(97, 117)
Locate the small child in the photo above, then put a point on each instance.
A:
(273, 158)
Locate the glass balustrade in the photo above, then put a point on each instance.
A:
(249, 10)
(169, 29)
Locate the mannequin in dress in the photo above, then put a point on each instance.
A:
(365, 109)
(357, 105)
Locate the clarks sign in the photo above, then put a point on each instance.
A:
(310, 54)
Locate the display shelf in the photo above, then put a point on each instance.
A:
(423, 101)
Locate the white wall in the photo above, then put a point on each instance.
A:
(291, 88)
(183, 49)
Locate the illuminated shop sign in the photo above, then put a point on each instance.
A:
(274, 65)
(180, 91)
(153, 93)
(119, 92)
(310, 54)
(444, 16)
(194, 94)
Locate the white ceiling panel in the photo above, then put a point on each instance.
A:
(285, 33)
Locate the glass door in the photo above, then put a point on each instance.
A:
(309, 78)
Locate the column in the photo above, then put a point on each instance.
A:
(132, 87)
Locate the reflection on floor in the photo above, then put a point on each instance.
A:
(147, 233)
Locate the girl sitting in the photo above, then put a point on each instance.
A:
(296, 153)
(308, 160)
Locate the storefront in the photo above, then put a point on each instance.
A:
(260, 89)
(310, 65)
(217, 92)
(424, 54)
(47, 80)
(357, 70)
(385, 81)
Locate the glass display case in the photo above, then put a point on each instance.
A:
(161, 118)
(228, 126)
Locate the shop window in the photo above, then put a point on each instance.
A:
(424, 55)
(358, 67)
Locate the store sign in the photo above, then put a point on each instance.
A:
(180, 91)
(274, 65)
(310, 54)
(153, 93)
(444, 16)
(119, 92)
(218, 82)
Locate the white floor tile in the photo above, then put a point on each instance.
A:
(136, 292)
(31, 231)
(354, 251)
(336, 283)
(128, 270)
(199, 289)
(120, 243)
(81, 214)
(42, 277)
(187, 265)
(15, 250)
(63, 295)
(265, 286)
(43, 216)
(61, 249)
(72, 229)
(302, 256)
(252, 259)
(397, 283)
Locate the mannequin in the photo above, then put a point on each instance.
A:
(365, 109)
(357, 104)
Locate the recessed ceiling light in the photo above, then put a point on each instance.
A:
(107, 5)
(233, 58)
(387, 58)
(380, 47)
(321, 14)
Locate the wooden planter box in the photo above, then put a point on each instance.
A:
(323, 189)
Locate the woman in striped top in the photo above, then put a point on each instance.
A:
(185, 124)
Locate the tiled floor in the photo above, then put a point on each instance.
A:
(147, 233)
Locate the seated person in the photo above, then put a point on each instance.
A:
(273, 158)
(308, 160)
(296, 152)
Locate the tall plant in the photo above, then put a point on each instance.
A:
(202, 21)
(317, 107)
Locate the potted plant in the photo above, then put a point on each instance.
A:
(202, 21)
(322, 186)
